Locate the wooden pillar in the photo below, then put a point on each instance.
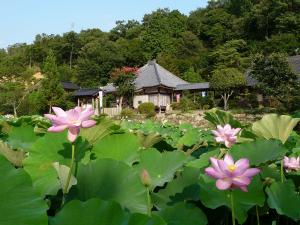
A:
(194, 97)
(158, 99)
(78, 101)
(93, 102)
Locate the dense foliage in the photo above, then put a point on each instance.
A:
(276, 78)
(145, 173)
(223, 35)
(147, 108)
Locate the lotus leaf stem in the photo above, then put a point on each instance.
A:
(232, 208)
(149, 204)
(257, 215)
(281, 171)
(70, 171)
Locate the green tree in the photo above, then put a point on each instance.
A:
(51, 88)
(230, 54)
(129, 30)
(275, 77)
(192, 76)
(261, 21)
(226, 80)
(189, 53)
(213, 26)
(96, 61)
(228, 67)
(11, 95)
(132, 51)
(160, 30)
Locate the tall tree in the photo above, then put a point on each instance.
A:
(51, 89)
(226, 80)
(228, 67)
(160, 30)
(96, 61)
(214, 26)
(11, 94)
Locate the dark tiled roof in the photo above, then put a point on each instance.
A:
(193, 86)
(295, 63)
(68, 85)
(153, 74)
(86, 92)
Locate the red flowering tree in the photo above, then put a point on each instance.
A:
(123, 79)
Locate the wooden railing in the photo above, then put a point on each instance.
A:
(111, 111)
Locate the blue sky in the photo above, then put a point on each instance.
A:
(21, 20)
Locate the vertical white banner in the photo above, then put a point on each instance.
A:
(101, 99)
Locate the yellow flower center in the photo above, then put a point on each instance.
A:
(232, 168)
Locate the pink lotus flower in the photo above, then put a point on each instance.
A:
(226, 135)
(72, 119)
(231, 175)
(291, 164)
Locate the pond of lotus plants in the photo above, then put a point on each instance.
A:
(72, 168)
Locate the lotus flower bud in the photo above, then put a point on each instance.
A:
(145, 178)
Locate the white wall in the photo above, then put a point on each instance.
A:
(164, 100)
(141, 99)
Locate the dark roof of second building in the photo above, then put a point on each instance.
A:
(193, 86)
(69, 85)
(86, 92)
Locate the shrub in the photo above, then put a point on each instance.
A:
(184, 105)
(128, 113)
(206, 107)
(175, 105)
(206, 102)
(147, 108)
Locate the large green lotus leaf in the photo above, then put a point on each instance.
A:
(103, 128)
(259, 151)
(183, 214)
(122, 147)
(141, 219)
(15, 157)
(270, 172)
(109, 179)
(190, 137)
(161, 166)
(213, 198)
(148, 140)
(186, 178)
(275, 126)
(22, 137)
(44, 152)
(99, 212)
(203, 160)
(19, 203)
(220, 117)
(283, 198)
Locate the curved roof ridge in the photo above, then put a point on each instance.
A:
(156, 72)
(171, 73)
